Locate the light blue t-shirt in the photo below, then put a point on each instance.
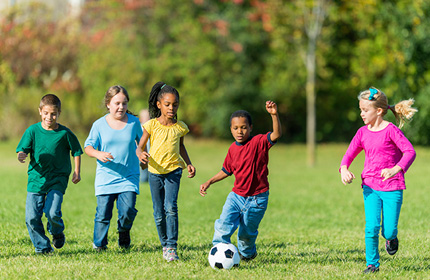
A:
(122, 173)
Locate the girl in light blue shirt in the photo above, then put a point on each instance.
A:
(113, 141)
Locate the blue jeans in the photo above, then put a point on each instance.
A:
(164, 193)
(125, 203)
(245, 213)
(35, 206)
(376, 203)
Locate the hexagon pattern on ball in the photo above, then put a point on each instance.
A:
(223, 256)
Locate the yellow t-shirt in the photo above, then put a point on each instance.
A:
(165, 146)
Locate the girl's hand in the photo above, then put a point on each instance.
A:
(104, 156)
(271, 107)
(390, 172)
(203, 188)
(346, 176)
(191, 171)
(143, 157)
(76, 177)
(22, 156)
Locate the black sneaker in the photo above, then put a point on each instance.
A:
(242, 258)
(391, 246)
(371, 269)
(124, 239)
(58, 240)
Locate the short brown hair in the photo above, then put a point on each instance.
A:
(51, 100)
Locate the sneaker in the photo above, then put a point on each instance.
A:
(46, 251)
(99, 249)
(124, 239)
(391, 246)
(58, 240)
(371, 269)
(245, 259)
(171, 255)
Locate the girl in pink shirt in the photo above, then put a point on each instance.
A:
(388, 155)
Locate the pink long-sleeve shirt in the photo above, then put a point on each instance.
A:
(383, 149)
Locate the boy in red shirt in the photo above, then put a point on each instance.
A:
(247, 159)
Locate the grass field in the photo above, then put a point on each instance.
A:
(313, 228)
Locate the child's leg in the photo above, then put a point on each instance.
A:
(125, 204)
(156, 185)
(52, 210)
(171, 188)
(372, 209)
(102, 221)
(228, 222)
(254, 209)
(392, 203)
(33, 218)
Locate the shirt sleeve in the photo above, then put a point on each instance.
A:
(26, 143)
(407, 149)
(75, 146)
(93, 138)
(353, 150)
(147, 126)
(227, 167)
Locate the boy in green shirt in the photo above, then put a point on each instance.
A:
(49, 145)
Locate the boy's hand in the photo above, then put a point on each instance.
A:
(191, 171)
(143, 157)
(271, 107)
(22, 156)
(203, 188)
(104, 156)
(76, 177)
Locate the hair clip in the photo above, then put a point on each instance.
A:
(163, 86)
(373, 91)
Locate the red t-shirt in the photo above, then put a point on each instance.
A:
(248, 162)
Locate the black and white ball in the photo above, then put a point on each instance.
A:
(223, 256)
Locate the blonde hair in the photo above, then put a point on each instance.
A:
(403, 110)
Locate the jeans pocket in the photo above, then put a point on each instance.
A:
(261, 201)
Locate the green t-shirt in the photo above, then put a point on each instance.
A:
(49, 167)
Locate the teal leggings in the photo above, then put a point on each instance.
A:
(375, 203)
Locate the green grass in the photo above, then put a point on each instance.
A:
(313, 228)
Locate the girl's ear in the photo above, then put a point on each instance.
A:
(158, 104)
(379, 111)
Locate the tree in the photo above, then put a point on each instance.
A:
(313, 21)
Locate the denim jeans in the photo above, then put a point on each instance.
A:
(164, 193)
(245, 213)
(125, 203)
(36, 205)
(376, 203)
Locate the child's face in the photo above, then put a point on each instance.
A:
(168, 105)
(49, 116)
(240, 129)
(369, 113)
(118, 106)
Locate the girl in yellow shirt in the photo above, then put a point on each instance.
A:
(166, 159)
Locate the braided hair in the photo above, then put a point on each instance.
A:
(157, 92)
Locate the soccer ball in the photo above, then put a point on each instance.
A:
(223, 256)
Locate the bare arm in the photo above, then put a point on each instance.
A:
(183, 152)
(140, 150)
(102, 156)
(272, 109)
(77, 173)
(218, 177)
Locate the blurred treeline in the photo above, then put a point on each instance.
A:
(222, 55)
